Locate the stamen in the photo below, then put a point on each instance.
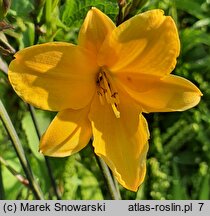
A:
(116, 96)
(101, 98)
(106, 90)
(108, 93)
(116, 112)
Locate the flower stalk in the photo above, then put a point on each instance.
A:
(108, 178)
(49, 169)
(116, 186)
(20, 152)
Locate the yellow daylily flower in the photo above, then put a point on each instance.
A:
(102, 85)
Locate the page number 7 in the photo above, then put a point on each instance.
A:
(201, 205)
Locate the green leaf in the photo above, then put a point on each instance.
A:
(202, 23)
(28, 127)
(22, 8)
(204, 192)
(28, 34)
(205, 188)
(73, 12)
(89, 187)
(12, 186)
(193, 37)
(191, 7)
(178, 189)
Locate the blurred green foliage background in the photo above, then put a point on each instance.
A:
(178, 162)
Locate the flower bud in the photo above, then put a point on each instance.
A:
(122, 3)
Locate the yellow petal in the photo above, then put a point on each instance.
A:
(147, 43)
(136, 81)
(96, 27)
(121, 142)
(69, 132)
(171, 93)
(54, 76)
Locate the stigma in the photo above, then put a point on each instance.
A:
(107, 92)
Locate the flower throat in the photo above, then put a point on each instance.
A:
(107, 92)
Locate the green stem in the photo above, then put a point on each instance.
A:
(117, 186)
(20, 152)
(49, 169)
(107, 176)
(2, 194)
(17, 175)
(48, 11)
(120, 15)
